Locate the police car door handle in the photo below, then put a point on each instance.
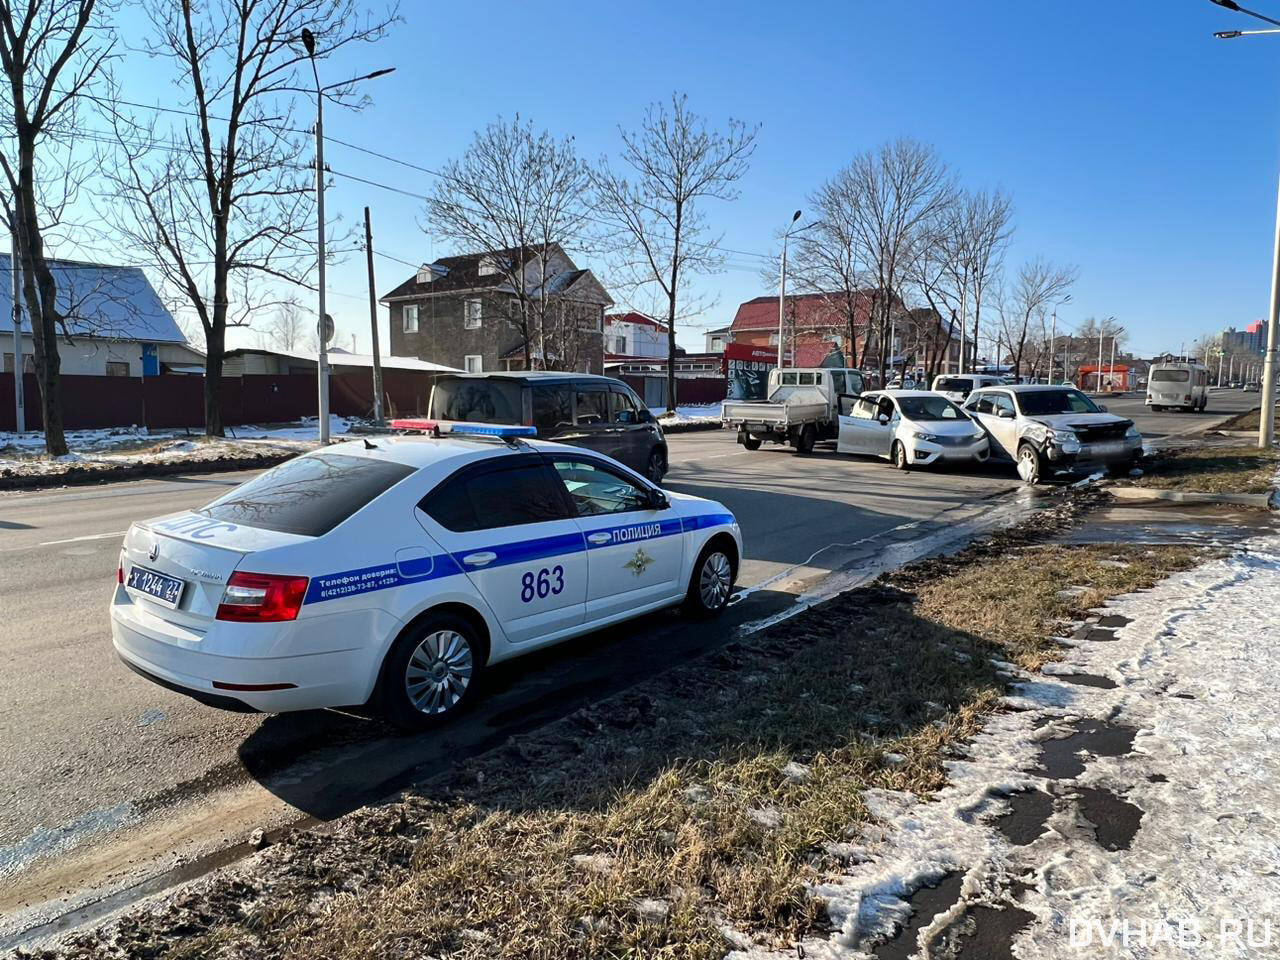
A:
(479, 559)
(599, 537)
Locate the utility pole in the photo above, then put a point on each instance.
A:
(373, 323)
(1053, 343)
(1220, 356)
(19, 400)
(1111, 371)
(782, 291)
(1101, 330)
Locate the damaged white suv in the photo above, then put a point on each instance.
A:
(1047, 430)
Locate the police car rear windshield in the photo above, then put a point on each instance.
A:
(310, 495)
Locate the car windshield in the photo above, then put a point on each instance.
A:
(478, 400)
(1170, 376)
(952, 384)
(929, 408)
(310, 495)
(1046, 403)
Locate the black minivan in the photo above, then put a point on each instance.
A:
(599, 413)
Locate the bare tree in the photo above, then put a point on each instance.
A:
(827, 259)
(219, 200)
(674, 162)
(984, 227)
(287, 331)
(1037, 287)
(519, 196)
(894, 193)
(52, 52)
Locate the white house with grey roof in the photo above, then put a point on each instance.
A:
(116, 324)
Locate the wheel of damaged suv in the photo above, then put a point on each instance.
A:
(900, 456)
(430, 673)
(657, 467)
(750, 442)
(711, 584)
(808, 437)
(1029, 466)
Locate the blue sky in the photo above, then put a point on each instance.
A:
(1135, 145)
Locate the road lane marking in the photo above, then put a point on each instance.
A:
(91, 536)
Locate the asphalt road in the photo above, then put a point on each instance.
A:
(93, 751)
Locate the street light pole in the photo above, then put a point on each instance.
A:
(782, 290)
(322, 321)
(1267, 416)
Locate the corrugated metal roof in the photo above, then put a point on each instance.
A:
(100, 300)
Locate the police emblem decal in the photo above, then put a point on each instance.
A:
(639, 562)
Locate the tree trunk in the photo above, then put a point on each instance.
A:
(41, 293)
(215, 342)
(671, 350)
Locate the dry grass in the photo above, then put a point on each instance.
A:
(1249, 420)
(1212, 469)
(641, 826)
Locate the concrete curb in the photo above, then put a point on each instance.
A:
(80, 476)
(1262, 501)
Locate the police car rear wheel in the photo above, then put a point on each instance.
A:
(430, 673)
(712, 582)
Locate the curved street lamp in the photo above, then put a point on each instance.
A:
(322, 364)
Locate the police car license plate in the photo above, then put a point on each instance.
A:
(162, 589)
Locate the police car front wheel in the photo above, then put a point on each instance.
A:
(431, 672)
(712, 581)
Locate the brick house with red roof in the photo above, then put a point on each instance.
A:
(817, 329)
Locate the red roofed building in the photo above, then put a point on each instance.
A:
(817, 329)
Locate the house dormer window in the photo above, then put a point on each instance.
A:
(472, 311)
(488, 266)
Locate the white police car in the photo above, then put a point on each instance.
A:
(392, 571)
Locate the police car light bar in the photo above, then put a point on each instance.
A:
(441, 427)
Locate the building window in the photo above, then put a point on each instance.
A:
(410, 318)
(471, 314)
(117, 368)
(473, 363)
(621, 345)
(488, 266)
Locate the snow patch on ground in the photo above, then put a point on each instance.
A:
(693, 413)
(1196, 676)
(23, 453)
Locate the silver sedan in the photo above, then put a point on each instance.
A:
(911, 428)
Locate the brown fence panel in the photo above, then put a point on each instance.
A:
(176, 400)
(277, 399)
(701, 390)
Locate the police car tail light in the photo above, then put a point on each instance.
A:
(262, 597)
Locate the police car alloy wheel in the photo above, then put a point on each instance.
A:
(431, 672)
(712, 582)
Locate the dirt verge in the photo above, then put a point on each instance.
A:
(1204, 468)
(682, 817)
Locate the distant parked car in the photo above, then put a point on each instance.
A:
(1052, 430)
(598, 413)
(911, 428)
(1251, 387)
(957, 386)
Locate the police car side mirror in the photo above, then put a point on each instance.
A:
(658, 500)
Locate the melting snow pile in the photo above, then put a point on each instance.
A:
(23, 453)
(1136, 821)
